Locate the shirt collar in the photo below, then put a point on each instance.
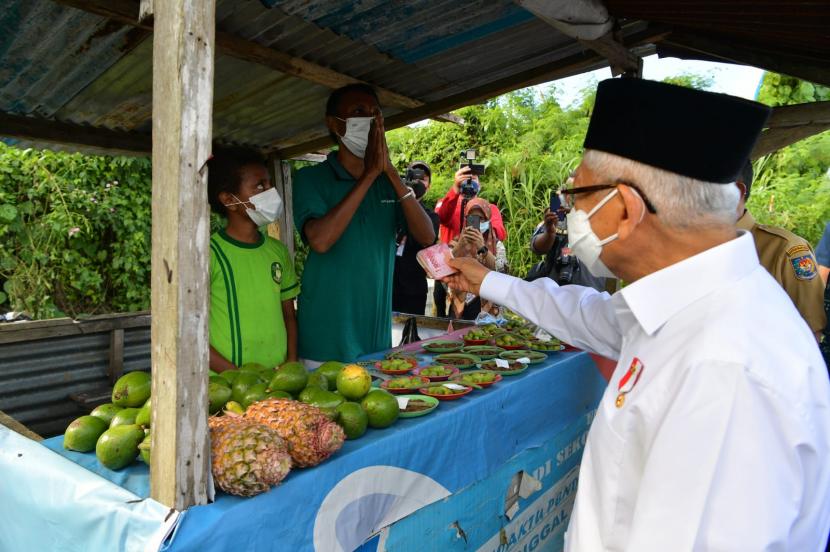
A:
(746, 222)
(658, 297)
(340, 171)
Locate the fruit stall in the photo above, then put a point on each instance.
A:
(468, 435)
(485, 459)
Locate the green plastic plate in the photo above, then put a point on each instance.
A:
(431, 400)
(459, 360)
(442, 346)
(484, 352)
(535, 358)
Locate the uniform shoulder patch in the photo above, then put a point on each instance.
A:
(803, 262)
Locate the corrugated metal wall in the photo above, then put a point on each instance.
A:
(37, 377)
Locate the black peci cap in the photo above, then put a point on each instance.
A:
(702, 135)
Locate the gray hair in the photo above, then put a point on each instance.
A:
(681, 202)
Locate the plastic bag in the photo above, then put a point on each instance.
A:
(410, 332)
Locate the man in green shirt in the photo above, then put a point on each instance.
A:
(252, 279)
(348, 210)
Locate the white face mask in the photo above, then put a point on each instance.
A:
(268, 207)
(356, 138)
(484, 226)
(584, 243)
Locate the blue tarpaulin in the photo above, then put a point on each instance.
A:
(388, 474)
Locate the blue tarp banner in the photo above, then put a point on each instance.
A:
(388, 474)
(48, 503)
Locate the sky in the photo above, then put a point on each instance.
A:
(737, 80)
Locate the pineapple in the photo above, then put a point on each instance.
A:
(311, 435)
(246, 457)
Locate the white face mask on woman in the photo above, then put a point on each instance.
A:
(356, 138)
(268, 206)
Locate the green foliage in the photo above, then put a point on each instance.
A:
(691, 80)
(779, 89)
(529, 145)
(791, 187)
(74, 232)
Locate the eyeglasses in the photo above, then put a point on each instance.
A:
(569, 193)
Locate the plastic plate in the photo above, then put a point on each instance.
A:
(484, 352)
(533, 356)
(448, 397)
(432, 401)
(379, 365)
(458, 378)
(442, 346)
(459, 360)
(514, 369)
(403, 390)
(451, 371)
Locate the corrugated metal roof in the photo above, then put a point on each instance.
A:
(63, 63)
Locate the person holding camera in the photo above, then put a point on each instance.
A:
(465, 187)
(477, 240)
(551, 240)
(409, 283)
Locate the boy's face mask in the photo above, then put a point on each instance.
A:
(268, 206)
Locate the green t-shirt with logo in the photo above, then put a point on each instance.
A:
(345, 310)
(248, 283)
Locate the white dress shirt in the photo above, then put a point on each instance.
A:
(722, 443)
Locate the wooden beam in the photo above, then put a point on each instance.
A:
(17, 427)
(85, 137)
(450, 118)
(773, 139)
(31, 330)
(183, 47)
(127, 12)
(803, 67)
(115, 366)
(572, 65)
(800, 114)
(281, 177)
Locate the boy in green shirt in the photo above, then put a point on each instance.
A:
(252, 279)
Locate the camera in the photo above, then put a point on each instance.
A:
(469, 188)
(415, 180)
(567, 266)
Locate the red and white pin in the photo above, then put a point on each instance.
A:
(629, 380)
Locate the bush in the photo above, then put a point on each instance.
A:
(74, 232)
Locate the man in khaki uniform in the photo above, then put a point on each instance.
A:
(788, 258)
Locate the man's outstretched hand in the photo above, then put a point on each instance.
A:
(469, 276)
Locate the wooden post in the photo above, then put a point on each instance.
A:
(281, 177)
(183, 49)
(115, 368)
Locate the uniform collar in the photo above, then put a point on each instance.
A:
(746, 222)
(340, 171)
(658, 297)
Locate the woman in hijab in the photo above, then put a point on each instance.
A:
(479, 242)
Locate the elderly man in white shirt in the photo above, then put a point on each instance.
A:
(713, 433)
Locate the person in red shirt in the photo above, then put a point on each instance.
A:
(449, 209)
(449, 216)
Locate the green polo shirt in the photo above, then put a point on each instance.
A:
(345, 309)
